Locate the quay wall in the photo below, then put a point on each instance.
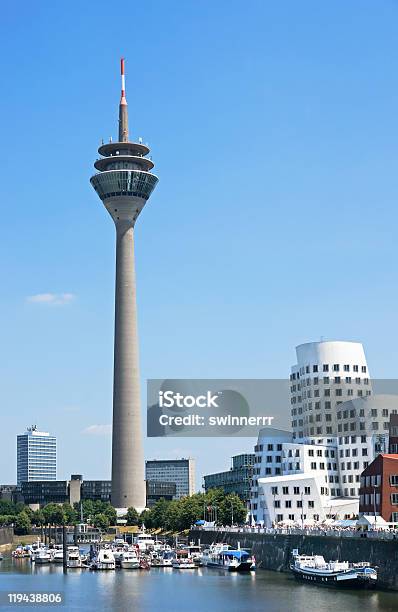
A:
(273, 551)
(6, 535)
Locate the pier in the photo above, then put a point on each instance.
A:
(273, 550)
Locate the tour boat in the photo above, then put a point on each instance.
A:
(314, 568)
(222, 556)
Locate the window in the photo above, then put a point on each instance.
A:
(310, 452)
(325, 367)
(288, 503)
(319, 452)
(311, 503)
(348, 380)
(326, 392)
(339, 392)
(307, 490)
(277, 503)
(346, 368)
(285, 490)
(364, 452)
(274, 490)
(363, 369)
(326, 380)
(270, 447)
(355, 368)
(315, 368)
(296, 490)
(336, 367)
(313, 465)
(299, 503)
(394, 480)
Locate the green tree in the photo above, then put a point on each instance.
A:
(110, 512)
(38, 518)
(22, 524)
(101, 521)
(132, 516)
(70, 514)
(231, 508)
(54, 514)
(145, 518)
(8, 519)
(159, 513)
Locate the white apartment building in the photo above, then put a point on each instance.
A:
(326, 375)
(286, 470)
(339, 427)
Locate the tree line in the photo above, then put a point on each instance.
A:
(176, 515)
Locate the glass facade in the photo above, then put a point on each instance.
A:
(177, 471)
(124, 183)
(36, 456)
(236, 480)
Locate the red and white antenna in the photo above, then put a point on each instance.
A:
(123, 96)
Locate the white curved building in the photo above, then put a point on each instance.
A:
(327, 374)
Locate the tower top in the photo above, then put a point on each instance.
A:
(123, 113)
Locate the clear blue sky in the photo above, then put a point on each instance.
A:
(274, 130)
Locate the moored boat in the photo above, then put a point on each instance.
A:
(73, 557)
(314, 569)
(222, 556)
(104, 560)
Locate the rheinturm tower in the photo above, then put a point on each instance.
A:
(124, 183)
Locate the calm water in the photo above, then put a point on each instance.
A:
(166, 589)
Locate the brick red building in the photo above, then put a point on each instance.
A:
(393, 434)
(379, 488)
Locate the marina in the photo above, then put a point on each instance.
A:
(178, 590)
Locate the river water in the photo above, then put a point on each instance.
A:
(165, 589)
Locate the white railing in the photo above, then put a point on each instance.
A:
(336, 533)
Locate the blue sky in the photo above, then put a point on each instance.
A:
(274, 131)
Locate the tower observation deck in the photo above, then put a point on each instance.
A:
(124, 183)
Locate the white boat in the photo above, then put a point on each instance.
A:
(144, 541)
(57, 554)
(127, 559)
(105, 560)
(73, 557)
(41, 556)
(314, 568)
(185, 562)
(223, 556)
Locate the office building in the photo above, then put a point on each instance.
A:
(65, 491)
(124, 183)
(178, 471)
(36, 456)
(236, 480)
(159, 490)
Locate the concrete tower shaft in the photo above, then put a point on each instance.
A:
(124, 183)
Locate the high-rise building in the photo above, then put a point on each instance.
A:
(36, 456)
(326, 375)
(124, 183)
(178, 471)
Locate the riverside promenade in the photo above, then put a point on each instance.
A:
(273, 548)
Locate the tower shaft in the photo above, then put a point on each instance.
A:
(128, 486)
(124, 183)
